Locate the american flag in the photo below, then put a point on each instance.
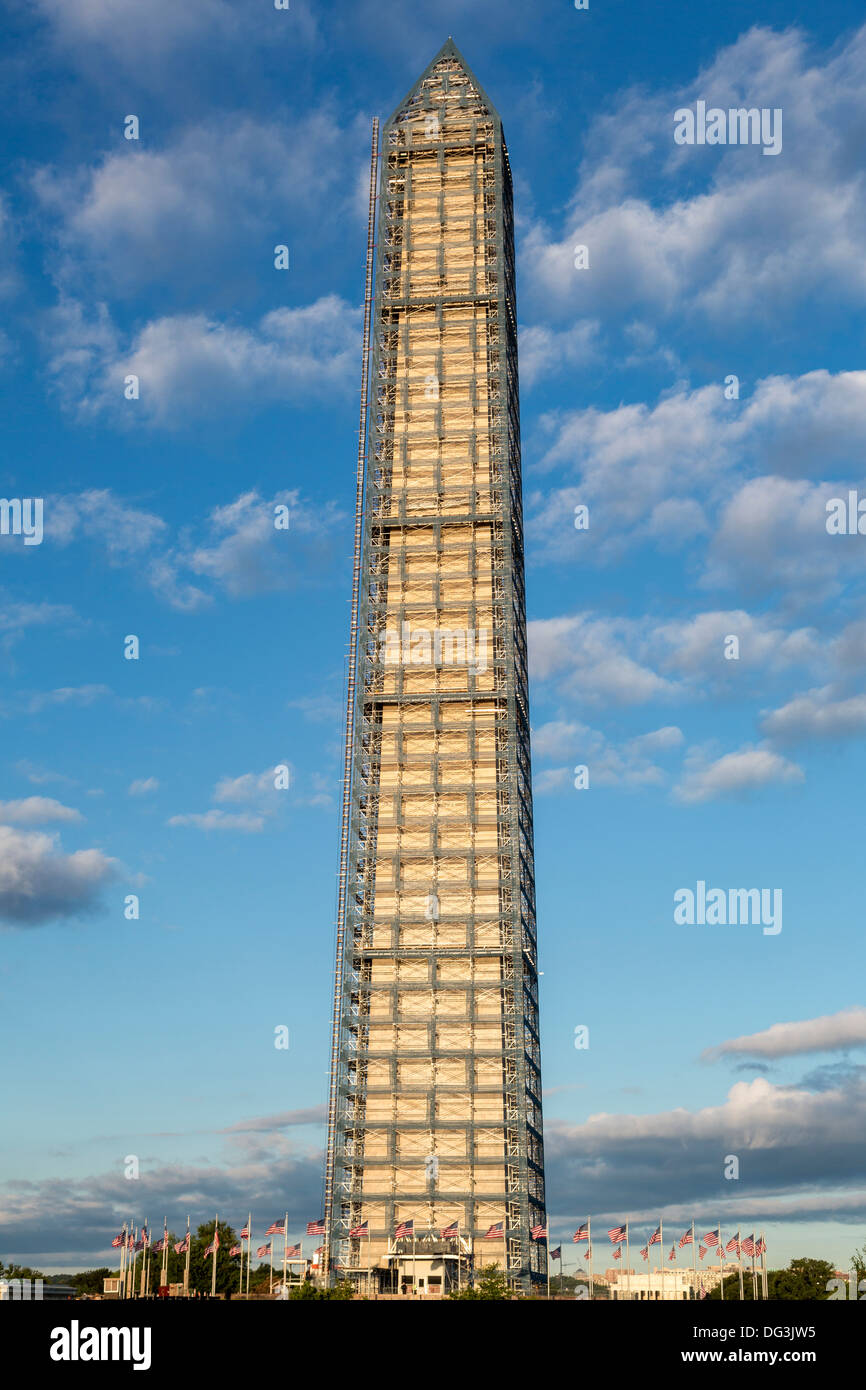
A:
(617, 1233)
(686, 1239)
(495, 1231)
(140, 1244)
(160, 1246)
(701, 1252)
(405, 1228)
(617, 1254)
(747, 1245)
(451, 1232)
(645, 1253)
(589, 1252)
(214, 1245)
(711, 1238)
(656, 1238)
(360, 1230)
(182, 1246)
(277, 1228)
(703, 1292)
(761, 1246)
(293, 1252)
(673, 1254)
(556, 1254)
(245, 1235)
(315, 1228)
(236, 1250)
(117, 1242)
(538, 1232)
(733, 1245)
(582, 1233)
(264, 1250)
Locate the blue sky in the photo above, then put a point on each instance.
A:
(154, 1036)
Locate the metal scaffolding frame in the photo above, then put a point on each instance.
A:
(435, 1084)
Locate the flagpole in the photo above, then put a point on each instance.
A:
(628, 1264)
(754, 1274)
(589, 1248)
(271, 1280)
(721, 1263)
(694, 1261)
(249, 1249)
(143, 1258)
(662, 1257)
(285, 1251)
(740, 1261)
(766, 1290)
(216, 1227)
(122, 1280)
(134, 1234)
(547, 1258)
(186, 1266)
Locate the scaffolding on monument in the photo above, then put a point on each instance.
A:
(436, 1059)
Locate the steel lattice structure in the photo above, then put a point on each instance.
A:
(435, 1088)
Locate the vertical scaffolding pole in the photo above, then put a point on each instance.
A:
(350, 711)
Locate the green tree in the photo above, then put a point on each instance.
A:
(490, 1284)
(88, 1280)
(307, 1292)
(13, 1271)
(227, 1266)
(803, 1279)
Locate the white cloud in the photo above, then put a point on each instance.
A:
(190, 215)
(147, 42)
(546, 351)
(36, 810)
(220, 820)
(143, 786)
(246, 554)
(97, 514)
(627, 764)
(39, 883)
(816, 714)
(588, 656)
(626, 661)
(753, 236)
(658, 473)
(190, 366)
(734, 774)
(255, 788)
(8, 252)
(15, 617)
(78, 695)
(829, 1033)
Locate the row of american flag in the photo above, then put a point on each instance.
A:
(134, 1239)
(711, 1240)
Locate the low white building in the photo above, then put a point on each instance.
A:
(670, 1285)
